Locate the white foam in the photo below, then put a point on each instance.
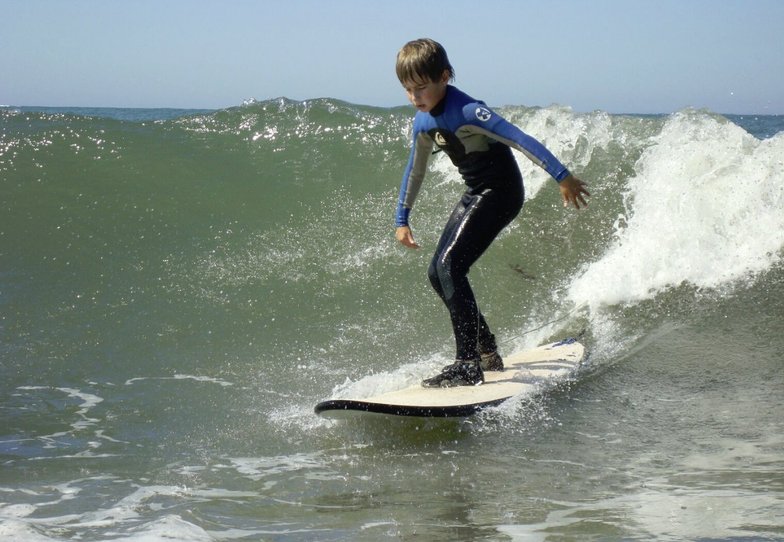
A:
(266, 469)
(16, 510)
(207, 379)
(15, 531)
(386, 381)
(706, 208)
(88, 402)
(171, 528)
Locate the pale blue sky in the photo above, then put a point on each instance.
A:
(620, 56)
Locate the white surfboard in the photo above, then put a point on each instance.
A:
(524, 373)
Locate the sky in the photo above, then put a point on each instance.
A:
(618, 56)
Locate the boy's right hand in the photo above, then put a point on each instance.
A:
(404, 235)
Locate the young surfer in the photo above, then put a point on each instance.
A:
(478, 141)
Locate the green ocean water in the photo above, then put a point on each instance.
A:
(179, 288)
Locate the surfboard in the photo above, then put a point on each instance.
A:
(524, 373)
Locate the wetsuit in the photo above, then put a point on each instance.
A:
(478, 142)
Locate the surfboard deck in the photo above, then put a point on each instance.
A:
(524, 372)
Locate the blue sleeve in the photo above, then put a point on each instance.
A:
(502, 130)
(414, 174)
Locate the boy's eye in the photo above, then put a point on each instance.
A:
(415, 88)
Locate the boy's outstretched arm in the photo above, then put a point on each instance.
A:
(573, 191)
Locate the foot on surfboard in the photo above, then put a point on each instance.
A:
(491, 361)
(460, 373)
(488, 351)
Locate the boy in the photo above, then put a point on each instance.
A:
(478, 142)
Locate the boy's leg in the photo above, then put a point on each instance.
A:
(485, 338)
(474, 224)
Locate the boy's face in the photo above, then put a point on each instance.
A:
(425, 94)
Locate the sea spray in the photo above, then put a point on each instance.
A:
(704, 207)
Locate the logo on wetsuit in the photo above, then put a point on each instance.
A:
(483, 114)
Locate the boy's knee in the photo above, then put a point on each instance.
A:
(433, 275)
(440, 275)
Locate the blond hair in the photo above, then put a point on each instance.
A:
(422, 60)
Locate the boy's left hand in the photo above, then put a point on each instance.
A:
(573, 191)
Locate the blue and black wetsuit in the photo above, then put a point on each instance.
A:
(478, 142)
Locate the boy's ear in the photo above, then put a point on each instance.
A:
(445, 76)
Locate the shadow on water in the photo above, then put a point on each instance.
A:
(400, 433)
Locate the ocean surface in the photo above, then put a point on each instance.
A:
(178, 289)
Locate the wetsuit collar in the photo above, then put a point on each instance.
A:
(438, 109)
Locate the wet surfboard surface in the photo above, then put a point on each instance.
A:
(524, 372)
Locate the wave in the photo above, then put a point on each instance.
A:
(274, 219)
(703, 207)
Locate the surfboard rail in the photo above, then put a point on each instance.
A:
(423, 411)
